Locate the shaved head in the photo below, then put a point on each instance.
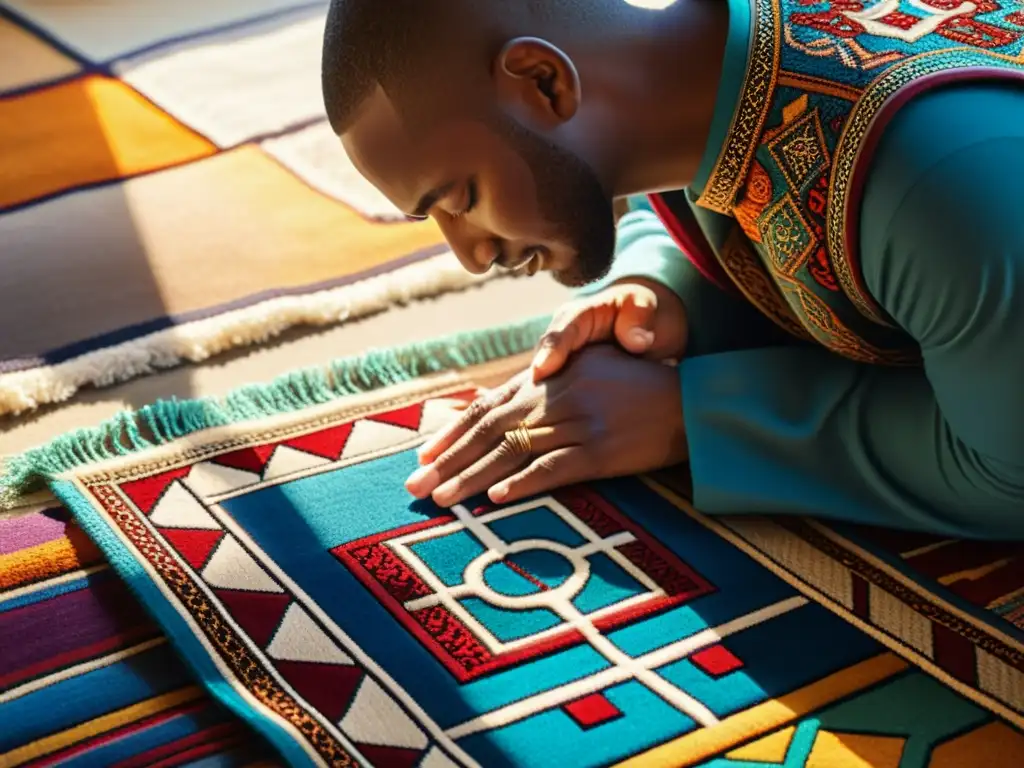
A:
(470, 111)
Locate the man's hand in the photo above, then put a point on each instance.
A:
(643, 316)
(607, 414)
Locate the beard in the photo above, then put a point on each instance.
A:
(575, 206)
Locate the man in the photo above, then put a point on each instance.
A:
(833, 246)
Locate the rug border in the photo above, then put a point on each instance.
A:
(918, 660)
(145, 586)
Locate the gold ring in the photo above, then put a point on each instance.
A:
(519, 441)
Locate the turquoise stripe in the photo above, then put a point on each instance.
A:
(56, 590)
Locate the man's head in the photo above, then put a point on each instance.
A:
(471, 111)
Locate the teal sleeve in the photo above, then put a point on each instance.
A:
(802, 431)
(718, 321)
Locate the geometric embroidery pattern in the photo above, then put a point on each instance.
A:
(544, 578)
(786, 237)
(588, 626)
(820, 83)
(800, 150)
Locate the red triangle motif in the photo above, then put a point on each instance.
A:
(390, 757)
(327, 443)
(329, 688)
(258, 613)
(252, 459)
(194, 545)
(147, 491)
(408, 417)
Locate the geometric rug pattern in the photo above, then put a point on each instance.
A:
(603, 624)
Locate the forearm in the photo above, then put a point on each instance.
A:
(801, 431)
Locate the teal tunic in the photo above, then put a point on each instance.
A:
(783, 427)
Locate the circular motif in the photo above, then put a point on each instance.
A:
(527, 573)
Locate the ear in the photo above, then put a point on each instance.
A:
(533, 75)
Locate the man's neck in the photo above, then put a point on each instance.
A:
(663, 98)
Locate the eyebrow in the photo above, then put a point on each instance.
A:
(429, 200)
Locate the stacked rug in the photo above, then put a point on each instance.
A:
(293, 606)
(170, 190)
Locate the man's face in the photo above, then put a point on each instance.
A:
(499, 193)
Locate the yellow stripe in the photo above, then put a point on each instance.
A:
(58, 741)
(767, 717)
(71, 552)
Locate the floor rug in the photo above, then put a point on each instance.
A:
(270, 539)
(170, 190)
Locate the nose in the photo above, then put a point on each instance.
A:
(475, 249)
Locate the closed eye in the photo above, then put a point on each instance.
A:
(472, 198)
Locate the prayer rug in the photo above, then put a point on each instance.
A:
(270, 538)
(170, 190)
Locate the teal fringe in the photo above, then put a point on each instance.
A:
(169, 420)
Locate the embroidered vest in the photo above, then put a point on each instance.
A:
(780, 207)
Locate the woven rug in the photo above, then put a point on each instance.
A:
(288, 579)
(170, 190)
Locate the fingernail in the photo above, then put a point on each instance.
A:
(445, 495)
(498, 493)
(422, 481)
(641, 338)
(540, 358)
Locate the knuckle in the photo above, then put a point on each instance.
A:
(477, 410)
(551, 339)
(546, 465)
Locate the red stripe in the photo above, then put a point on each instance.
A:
(164, 751)
(82, 747)
(202, 750)
(70, 658)
(694, 247)
(955, 654)
(527, 575)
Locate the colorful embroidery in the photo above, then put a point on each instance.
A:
(836, 69)
(730, 169)
(757, 194)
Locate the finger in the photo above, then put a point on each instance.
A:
(477, 409)
(557, 469)
(507, 458)
(568, 335)
(475, 441)
(478, 441)
(634, 322)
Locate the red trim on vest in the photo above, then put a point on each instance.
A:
(694, 247)
(883, 117)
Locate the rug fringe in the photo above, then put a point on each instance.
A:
(169, 420)
(197, 341)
